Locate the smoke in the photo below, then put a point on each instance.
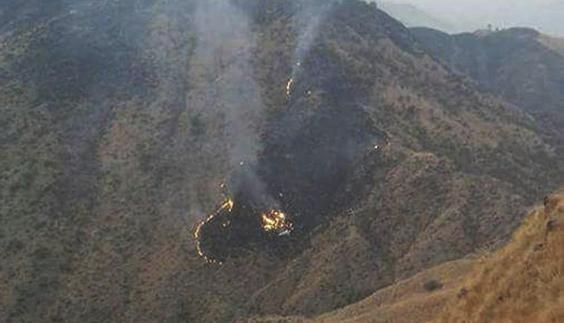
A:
(308, 21)
(224, 54)
(224, 46)
(304, 169)
(224, 76)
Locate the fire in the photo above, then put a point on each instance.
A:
(226, 206)
(273, 221)
(289, 87)
(229, 205)
(276, 221)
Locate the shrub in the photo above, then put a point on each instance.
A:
(432, 285)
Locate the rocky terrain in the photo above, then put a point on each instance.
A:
(121, 120)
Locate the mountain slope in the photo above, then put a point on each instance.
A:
(410, 300)
(522, 282)
(122, 119)
(521, 65)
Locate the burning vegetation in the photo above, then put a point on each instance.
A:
(245, 221)
(307, 169)
(226, 207)
(273, 224)
(276, 221)
(310, 174)
(289, 86)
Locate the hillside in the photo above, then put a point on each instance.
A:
(522, 282)
(125, 123)
(522, 65)
(417, 299)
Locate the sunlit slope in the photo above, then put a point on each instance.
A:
(523, 282)
(417, 299)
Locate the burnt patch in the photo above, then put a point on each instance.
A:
(238, 227)
(320, 151)
(313, 167)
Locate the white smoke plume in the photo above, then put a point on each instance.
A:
(308, 20)
(225, 42)
(223, 59)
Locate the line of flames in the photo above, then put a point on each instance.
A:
(227, 206)
(272, 221)
(289, 87)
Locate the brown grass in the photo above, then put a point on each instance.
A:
(523, 282)
(408, 300)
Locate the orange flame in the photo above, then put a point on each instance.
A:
(227, 206)
(289, 87)
(276, 221)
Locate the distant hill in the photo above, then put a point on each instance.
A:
(412, 16)
(470, 15)
(522, 65)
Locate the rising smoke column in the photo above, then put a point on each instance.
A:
(224, 92)
(226, 89)
(308, 20)
(224, 48)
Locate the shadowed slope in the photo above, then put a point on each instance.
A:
(519, 64)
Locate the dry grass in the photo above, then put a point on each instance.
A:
(406, 301)
(523, 282)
